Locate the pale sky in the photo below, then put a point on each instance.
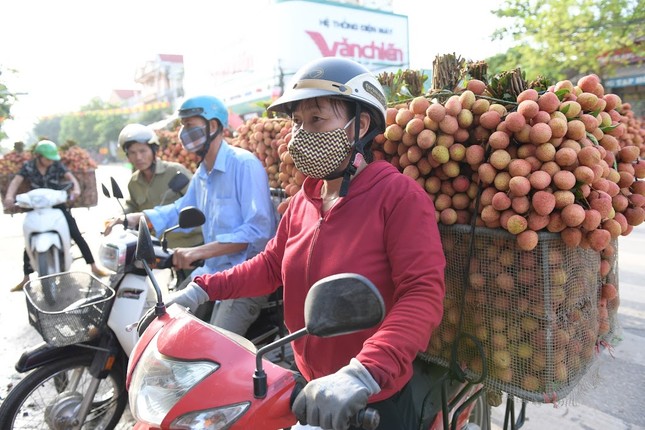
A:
(67, 52)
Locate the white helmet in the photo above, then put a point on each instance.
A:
(138, 133)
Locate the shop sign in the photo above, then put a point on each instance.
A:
(625, 81)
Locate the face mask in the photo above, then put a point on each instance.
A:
(194, 138)
(317, 155)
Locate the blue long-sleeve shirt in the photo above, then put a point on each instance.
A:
(236, 201)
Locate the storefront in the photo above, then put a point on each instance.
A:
(628, 78)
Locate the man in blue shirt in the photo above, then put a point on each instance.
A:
(231, 187)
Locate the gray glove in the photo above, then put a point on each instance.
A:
(331, 401)
(190, 297)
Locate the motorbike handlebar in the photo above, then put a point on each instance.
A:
(165, 259)
(197, 263)
(367, 419)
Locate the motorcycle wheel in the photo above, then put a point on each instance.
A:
(46, 399)
(49, 264)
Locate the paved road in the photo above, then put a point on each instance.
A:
(615, 402)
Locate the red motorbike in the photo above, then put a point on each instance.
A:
(186, 374)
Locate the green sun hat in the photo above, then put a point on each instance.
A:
(47, 149)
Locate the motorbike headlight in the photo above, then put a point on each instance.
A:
(159, 382)
(112, 256)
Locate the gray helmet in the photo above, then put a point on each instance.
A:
(138, 133)
(337, 77)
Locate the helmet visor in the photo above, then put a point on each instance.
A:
(187, 113)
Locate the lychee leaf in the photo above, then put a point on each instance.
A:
(609, 127)
(592, 138)
(579, 197)
(561, 93)
(565, 109)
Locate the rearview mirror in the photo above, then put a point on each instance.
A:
(145, 250)
(116, 190)
(178, 182)
(190, 217)
(341, 304)
(106, 193)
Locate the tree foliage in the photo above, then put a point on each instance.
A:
(7, 99)
(48, 127)
(564, 38)
(89, 128)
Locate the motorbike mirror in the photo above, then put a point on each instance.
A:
(191, 216)
(145, 250)
(178, 182)
(106, 193)
(341, 304)
(116, 190)
(335, 305)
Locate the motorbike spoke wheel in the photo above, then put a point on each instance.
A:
(37, 401)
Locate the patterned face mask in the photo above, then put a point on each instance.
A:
(317, 155)
(193, 138)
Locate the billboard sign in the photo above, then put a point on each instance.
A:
(255, 66)
(377, 39)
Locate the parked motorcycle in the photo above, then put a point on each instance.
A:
(46, 233)
(77, 375)
(184, 374)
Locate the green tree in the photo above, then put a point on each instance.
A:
(7, 99)
(49, 127)
(564, 38)
(93, 126)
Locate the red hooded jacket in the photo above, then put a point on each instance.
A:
(384, 229)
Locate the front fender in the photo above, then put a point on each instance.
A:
(41, 242)
(43, 353)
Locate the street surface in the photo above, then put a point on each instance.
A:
(612, 400)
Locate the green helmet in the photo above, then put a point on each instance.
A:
(47, 149)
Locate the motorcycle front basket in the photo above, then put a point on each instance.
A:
(69, 307)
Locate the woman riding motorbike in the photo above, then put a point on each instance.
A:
(352, 214)
(45, 170)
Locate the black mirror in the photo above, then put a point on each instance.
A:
(106, 193)
(178, 182)
(191, 217)
(145, 249)
(116, 190)
(341, 304)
